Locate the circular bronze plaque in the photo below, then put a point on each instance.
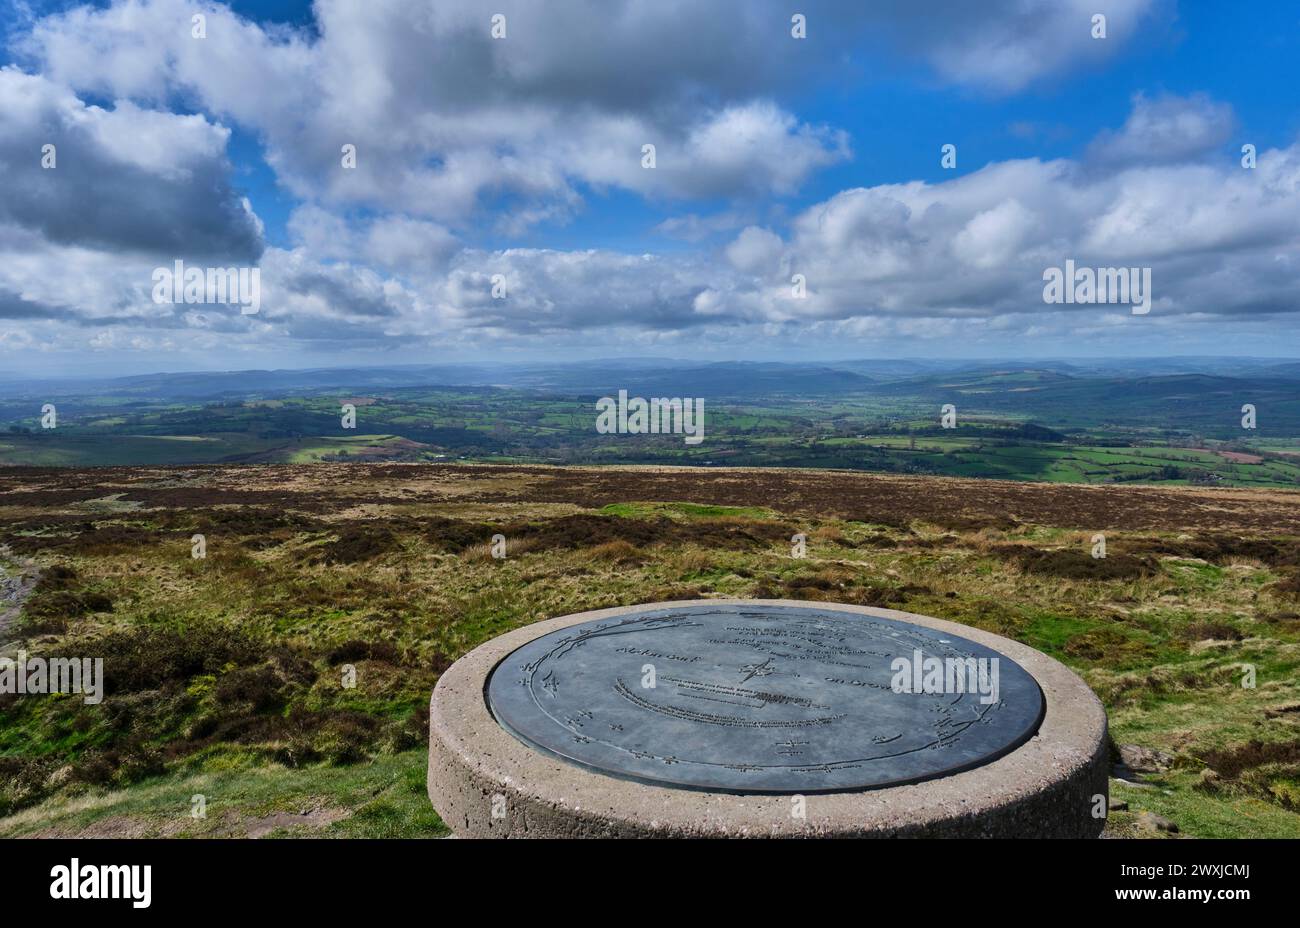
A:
(764, 699)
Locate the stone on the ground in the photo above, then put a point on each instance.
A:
(1144, 760)
(1149, 821)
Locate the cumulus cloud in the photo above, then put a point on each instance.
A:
(1166, 129)
(13, 306)
(1005, 47)
(551, 291)
(957, 259)
(922, 259)
(125, 179)
(1221, 240)
(446, 118)
(399, 244)
(756, 251)
(463, 139)
(694, 227)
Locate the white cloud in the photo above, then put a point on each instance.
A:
(993, 236)
(1221, 240)
(396, 243)
(1005, 47)
(962, 259)
(447, 121)
(756, 251)
(445, 118)
(1167, 129)
(123, 179)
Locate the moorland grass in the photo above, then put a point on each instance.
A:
(226, 676)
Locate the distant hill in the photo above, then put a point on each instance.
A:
(889, 377)
(722, 379)
(729, 379)
(1014, 419)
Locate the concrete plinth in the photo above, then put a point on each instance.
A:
(484, 782)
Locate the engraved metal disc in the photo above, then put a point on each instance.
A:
(764, 699)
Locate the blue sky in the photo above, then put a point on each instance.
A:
(895, 114)
(519, 159)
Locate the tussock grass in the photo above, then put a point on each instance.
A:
(226, 674)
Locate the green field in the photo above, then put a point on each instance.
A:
(887, 434)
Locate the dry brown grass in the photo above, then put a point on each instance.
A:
(393, 562)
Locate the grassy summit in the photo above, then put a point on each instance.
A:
(225, 675)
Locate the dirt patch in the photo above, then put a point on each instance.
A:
(313, 819)
(229, 825)
(119, 826)
(1073, 564)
